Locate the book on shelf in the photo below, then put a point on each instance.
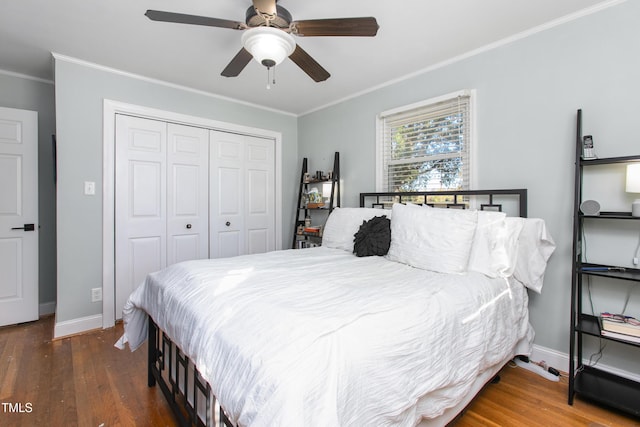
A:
(620, 324)
(312, 230)
(619, 336)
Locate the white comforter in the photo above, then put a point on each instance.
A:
(319, 337)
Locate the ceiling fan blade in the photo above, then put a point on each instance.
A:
(180, 18)
(309, 65)
(237, 64)
(266, 7)
(361, 27)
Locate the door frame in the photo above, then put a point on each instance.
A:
(110, 109)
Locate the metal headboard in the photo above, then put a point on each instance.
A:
(493, 199)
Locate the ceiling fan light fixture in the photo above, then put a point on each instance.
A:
(268, 45)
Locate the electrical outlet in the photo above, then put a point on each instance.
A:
(96, 294)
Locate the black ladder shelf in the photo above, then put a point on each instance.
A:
(592, 382)
(305, 209)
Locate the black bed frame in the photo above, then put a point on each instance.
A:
(459, 199)
(175, 382)
(165, 354)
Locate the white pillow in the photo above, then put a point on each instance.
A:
(509, 249)
(432, 239)
(488, 255)
(535, 246)
(344, 223)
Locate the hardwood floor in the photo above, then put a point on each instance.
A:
(522, 398)
(78, 381)
(85, 381)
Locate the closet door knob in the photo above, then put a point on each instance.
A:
(188, 225)
(227, 223)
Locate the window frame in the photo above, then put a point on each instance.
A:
(472, 138)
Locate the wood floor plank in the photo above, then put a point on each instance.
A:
(81, 385)
(38, 379)
(85, 381)
(11, 354)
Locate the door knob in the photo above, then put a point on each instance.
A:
(227, 223)
(27, 227)
(188, 225)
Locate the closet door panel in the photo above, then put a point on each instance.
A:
(140, 203)
(226, 203)
(187, 196)
(259, 194)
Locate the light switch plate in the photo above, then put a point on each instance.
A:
(89, 188)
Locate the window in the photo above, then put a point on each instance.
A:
(426, 146)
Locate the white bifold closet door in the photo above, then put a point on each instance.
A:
(161, 199)
(242, 194)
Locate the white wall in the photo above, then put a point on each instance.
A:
(36, 95)
(528, 92)
(80, 90)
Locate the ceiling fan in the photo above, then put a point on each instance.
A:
(267, 36)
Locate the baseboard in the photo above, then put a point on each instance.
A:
(77, 326)
(560, 361)
(554, 358)
(47, 308)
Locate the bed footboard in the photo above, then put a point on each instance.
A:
(188, 394)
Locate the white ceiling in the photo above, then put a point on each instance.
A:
(414, 35)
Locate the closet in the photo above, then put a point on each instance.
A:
(186, 192)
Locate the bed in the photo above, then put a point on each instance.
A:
(320, 336)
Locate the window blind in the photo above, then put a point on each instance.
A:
(426, 148)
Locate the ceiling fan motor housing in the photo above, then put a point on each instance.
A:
(281, 20)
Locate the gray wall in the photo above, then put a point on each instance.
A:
(29, 94)
(528, 92)
(80, 91)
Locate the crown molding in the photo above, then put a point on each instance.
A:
(25, 76)
(77, 61)
(508, 40)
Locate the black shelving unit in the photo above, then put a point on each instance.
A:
(590, 381)
(305, 209)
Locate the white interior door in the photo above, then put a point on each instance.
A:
(242, 195)
(187, 195)
(18, 216)
(140, 203)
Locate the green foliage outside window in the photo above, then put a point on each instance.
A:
(427, 155)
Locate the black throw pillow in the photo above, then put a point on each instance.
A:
(373, 237)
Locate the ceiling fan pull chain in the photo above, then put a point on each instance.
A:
(274, 76)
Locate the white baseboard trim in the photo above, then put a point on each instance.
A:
(46, 308)
(560, 361)
(554, 358)
(77, 326)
